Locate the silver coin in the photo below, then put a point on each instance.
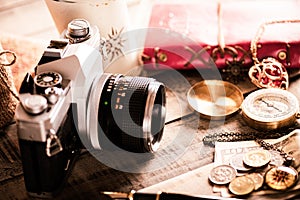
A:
(237, 162)
(222, 174)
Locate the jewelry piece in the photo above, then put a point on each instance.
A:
(10, 56)
(269, 109)
(268, 73)
(7, 58)
(241, 185)
(222, 174)
(210, 139)
(288, 160)
(281, 178)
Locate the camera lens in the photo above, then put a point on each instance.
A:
(131, 112)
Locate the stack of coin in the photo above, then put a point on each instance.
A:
(243, 163)
(275, 176)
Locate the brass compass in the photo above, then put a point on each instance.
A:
(281, 177)
(269, 109)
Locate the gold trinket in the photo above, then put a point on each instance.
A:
(268, 73)
(281, 178)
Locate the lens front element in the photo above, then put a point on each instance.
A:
(131, 113)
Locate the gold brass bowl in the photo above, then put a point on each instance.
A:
(215, 99)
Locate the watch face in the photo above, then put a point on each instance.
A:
(270, 106)
(281, 178)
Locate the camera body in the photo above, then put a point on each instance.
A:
(71, 104)
(48, 137)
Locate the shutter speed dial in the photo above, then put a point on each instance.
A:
(48, 79)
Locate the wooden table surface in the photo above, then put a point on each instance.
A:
(181, 150)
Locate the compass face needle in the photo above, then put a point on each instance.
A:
(281, 177)
(269, 104)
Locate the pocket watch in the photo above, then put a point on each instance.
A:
(271, 108)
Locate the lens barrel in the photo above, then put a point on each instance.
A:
(132, 112)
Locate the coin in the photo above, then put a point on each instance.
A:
(237, 162)
(222, 174)
(257, 158)
(257, 179)
(281, 178)
(241, 185)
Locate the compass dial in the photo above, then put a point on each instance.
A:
(270, 108)
(281, 178)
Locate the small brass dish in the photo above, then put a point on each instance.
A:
(215, 99)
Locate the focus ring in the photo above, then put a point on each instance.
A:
(130, 120)
(126, 114)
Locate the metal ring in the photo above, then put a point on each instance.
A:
(12, 61)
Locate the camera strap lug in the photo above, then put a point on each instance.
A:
(53, 145)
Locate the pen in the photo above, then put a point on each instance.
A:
(151, 196)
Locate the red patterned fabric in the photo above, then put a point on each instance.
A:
(196, 27)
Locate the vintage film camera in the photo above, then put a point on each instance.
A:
(71, 104)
